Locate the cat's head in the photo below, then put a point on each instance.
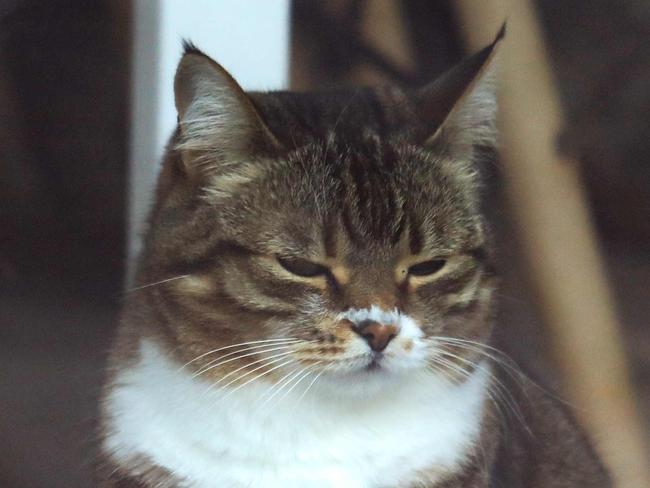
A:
(323, 233)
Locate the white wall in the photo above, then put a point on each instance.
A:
(250, 38)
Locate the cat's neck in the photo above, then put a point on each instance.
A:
(421, 428)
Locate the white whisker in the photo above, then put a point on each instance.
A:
(279, 386)
(208, 367)
(496, 355)
(502, 359)
(499, 388)
(309, 371)
(285, 340)
(309, 386)
(454, 367)
(266, 361)
(148, 285)
(264, 373)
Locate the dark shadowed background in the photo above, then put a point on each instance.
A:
(64, 120)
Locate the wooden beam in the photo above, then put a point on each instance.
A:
(553, 218)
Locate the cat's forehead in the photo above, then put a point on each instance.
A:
(370, 195)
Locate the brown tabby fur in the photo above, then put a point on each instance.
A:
(365, 182)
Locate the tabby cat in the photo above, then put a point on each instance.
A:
(314, 305)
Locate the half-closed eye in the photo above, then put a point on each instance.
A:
(427, 268)
(303, 267)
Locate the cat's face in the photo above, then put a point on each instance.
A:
(355, 252)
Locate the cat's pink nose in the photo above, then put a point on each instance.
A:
(376, 335)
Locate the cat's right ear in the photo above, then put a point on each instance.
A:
(457, 111)
(219, 125)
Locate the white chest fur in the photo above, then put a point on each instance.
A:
(421, 425)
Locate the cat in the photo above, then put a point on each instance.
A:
(315, 301)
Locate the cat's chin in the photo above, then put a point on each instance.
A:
(373, 378)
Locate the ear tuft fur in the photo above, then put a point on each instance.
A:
(190, 48)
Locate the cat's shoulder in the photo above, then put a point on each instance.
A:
(541, 440)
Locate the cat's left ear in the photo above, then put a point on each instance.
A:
(219, 125)
(457, 111)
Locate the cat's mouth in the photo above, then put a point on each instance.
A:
(376, 362)
(371, 363)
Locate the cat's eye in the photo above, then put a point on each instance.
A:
(303, 267)
(426, 268)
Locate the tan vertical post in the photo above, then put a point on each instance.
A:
(383, 28)
(549, 205)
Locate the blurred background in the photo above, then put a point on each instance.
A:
(67, 97)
